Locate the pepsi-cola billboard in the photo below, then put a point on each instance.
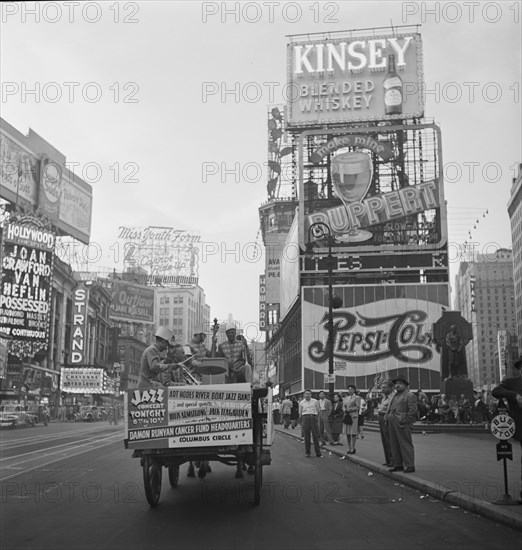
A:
(381, 330)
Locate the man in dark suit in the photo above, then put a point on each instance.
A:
(510, 389)
(400, 417)
(325, 420)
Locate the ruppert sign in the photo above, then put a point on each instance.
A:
(380, 329)
(354, 79)
(26, 283)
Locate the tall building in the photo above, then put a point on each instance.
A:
(183, 310)
(484, 294)
(515, 215)
(370, 225)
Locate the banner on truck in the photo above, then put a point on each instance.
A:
(189, 416)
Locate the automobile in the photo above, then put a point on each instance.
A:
(13, 415)
(88, 413)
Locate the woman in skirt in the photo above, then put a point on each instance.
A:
(337, 418)
(351, 405)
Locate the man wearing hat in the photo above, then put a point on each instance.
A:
(510, 389)
(402, 413)
(151, 364)
(236, 354)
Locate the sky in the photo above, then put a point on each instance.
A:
(185, 88)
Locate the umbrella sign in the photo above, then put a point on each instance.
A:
(503, 426)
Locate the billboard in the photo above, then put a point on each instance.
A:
(354, 79)
(189, 416)
(82, 380)
(289, 288)
(32, 179)
(131, 302)
(368, 188)
(381, 331)
(166, 256)
(26, 283)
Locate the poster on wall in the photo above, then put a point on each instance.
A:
(82, 380)
(189, 416)
(34, 181)
(26, 285)
(131, 302)
(380, 332)
(355, 78)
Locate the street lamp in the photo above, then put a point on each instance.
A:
(321, 230)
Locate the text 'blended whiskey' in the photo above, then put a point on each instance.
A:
(392, 89)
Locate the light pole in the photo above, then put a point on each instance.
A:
(320, 230)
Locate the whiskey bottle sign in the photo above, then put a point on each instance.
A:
(392, 89)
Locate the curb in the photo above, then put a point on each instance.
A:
(479, 507)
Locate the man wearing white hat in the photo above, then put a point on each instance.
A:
(236, 354)
(151, 365)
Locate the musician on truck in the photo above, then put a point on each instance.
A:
(151, 360)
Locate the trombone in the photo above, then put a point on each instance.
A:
(186, 375)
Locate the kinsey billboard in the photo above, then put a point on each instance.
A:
(82, 380)
(26, 283)
(131, 302)
(353, 79)
(381, 330)
(32, 179)
(189, 416)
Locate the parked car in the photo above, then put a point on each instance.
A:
(12, 415)
(89, 413)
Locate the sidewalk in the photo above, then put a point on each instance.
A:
(460, 469)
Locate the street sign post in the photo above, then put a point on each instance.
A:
(503, 428)
(329, 379)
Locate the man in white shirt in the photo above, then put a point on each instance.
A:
(309, 416)
(325, 426)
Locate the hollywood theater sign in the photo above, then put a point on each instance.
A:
(354, 79)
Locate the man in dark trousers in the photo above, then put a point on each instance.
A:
(325, 422)
(401, 416)
(388, 390)
(510, 389)
(309, 415)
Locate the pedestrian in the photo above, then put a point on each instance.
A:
(363, 409)
(276, 411)
(402, 413)
(309, 416)
(351, 405)
(510, 389)
(464, 409)
(294, 414)
(286, 410)
(388, 391)
(422, 403)
(325, 413)
(337, 419)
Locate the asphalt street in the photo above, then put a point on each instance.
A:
(75, 486)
